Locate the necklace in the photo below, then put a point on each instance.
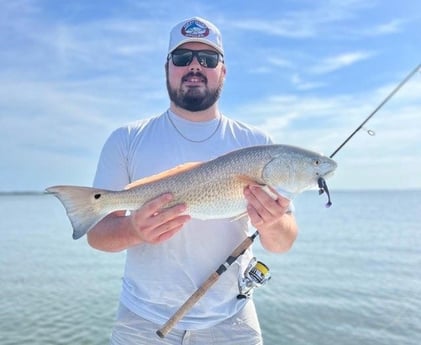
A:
(191, 140)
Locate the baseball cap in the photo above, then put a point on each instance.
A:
(196, 29)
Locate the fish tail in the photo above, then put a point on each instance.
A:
(83, 206)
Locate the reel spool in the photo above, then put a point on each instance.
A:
(256, 275)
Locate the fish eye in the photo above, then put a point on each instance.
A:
(316, 162)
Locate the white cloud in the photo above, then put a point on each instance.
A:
(304, 85)
(391, 27)
(280, 62)
(67, 83)
(390, 159)
(336, 62)
(317, 18)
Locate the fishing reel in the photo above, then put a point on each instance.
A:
(256, 275)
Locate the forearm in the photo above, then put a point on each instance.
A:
(152, 224)
(112, 234)
(279, 237)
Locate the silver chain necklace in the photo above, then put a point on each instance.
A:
(191, 140)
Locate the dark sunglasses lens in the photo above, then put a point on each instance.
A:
(208, 59)
(182, 57)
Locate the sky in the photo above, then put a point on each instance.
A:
(307, 72)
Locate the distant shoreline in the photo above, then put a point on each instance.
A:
(21, 193)
(34, 192)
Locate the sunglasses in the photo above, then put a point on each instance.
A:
(206, 58)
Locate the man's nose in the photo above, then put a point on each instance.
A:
(195, 64)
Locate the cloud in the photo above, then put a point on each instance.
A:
(340, 61)
(303, 85)
(391, 27)
(322, 123)
(313, 20)
(70, 75)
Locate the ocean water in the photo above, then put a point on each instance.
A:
(352, 277)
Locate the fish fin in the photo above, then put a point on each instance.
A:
(173, 171)
(269, 192)
(247, 180)
(83, 206)
(250, 181)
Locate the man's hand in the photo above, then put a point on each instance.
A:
(152, 223)
(269, 213)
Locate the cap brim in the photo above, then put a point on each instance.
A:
(199, 40)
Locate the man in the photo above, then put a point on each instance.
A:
(169, 255)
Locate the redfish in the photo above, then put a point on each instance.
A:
(211, 190)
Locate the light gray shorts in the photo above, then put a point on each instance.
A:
(241, 329)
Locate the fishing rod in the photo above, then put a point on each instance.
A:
(212, 279)
(395, 90)
(243, 246)
(321, 182)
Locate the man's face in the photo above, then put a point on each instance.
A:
(194, 87)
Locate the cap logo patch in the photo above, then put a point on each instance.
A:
(195, 28)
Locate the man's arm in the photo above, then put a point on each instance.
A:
(149, 224)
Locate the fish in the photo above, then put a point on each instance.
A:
(211, 190)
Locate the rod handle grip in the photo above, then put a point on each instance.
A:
(198, 294)
(188, 304)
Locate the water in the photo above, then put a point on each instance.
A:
(352, 277)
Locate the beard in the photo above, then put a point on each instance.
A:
(194, 99)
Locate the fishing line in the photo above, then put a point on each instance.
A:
(369, 131)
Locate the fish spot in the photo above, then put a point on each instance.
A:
(97, 196)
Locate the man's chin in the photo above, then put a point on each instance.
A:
(195, 91)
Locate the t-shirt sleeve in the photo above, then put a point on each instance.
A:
(112, 169)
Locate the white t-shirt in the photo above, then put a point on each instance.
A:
(159, 278)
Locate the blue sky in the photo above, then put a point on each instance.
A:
(309, 72)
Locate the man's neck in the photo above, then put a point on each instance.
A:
(197, 116)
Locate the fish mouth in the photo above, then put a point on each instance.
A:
(329, 168)
(329, 173)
